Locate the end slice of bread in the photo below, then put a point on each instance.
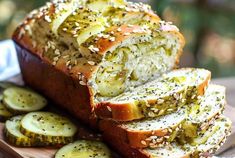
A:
(218, 134)
(210, 141)
(203, 114)
(159, 97)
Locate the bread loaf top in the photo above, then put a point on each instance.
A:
(108, 45)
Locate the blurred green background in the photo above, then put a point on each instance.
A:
(208, 26)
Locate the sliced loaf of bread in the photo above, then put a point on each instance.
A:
(159, 97)
(185, 124)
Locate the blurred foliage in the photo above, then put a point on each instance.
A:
(195, 19)
(12, 12)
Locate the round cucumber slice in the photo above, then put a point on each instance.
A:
(84, 149)
(48, 127)
(4, 113)
(13, 134)
(20, 100)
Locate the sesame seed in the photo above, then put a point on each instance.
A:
(56, 58)
(91, 62)
(119, 29)
(34, 43)
(47, 18)
(68, 62)
(93, 49)
(126, 34)
(135, 31)
(170, 130)
(160, 101)
(151, 114)
(106, 36)
(82, 83)
(112, 39)
(57, 52)
(22, 33)
(143, 142)
(167, 137)
(109, 108)
(76, 23)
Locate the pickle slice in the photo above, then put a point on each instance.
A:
(84, 149)
(13, 134)
(4, 113)
(20, 100)
(48, 127)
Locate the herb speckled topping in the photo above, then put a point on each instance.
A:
(82, 37)
(161, 123)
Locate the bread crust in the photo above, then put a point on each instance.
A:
(125, 111)
(55, 85)
(132, 138)
(128, 152)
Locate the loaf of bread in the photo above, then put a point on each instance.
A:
(112, 64)
(81, 52)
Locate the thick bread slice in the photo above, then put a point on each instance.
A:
(148, 132)
(156, 98)
(202, 115)
(212, 143)
(185, 124)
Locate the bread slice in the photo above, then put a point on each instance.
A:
(212, 140)
(159, 97)
(202, 115)
(208, 143)
(185, 124)
(147, 132)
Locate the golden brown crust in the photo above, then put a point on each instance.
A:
(125, 111)
(55, 85)
(104, 44)
(135, 139)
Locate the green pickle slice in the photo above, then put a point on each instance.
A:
(48, 127)
(20, 100)
(13, 134)
(84, 149)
